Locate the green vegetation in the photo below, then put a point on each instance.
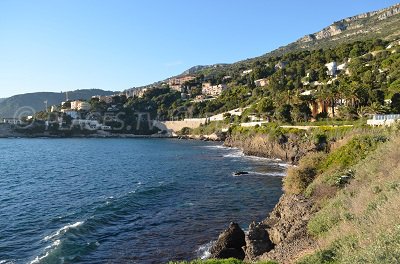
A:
(324, 172)
(370, 76)
(298, 178)
(358, 222)
(212, 127)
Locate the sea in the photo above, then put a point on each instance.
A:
(126, 200)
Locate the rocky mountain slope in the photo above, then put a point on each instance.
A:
(384, 23)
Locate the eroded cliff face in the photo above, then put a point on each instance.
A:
(288, 147)
(287, 229)
(282, 236)
(354, 22)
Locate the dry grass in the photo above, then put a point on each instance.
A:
(362, 224)
(298, 178)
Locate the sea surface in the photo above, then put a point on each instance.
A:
(125, 200)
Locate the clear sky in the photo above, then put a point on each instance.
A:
(114, 45)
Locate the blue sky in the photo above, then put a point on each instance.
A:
(113, 45)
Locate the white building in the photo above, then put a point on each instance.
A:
(342, 66)
(332, 68)
(69, 112)
(246, 72)
(383, 120)
(54, 108)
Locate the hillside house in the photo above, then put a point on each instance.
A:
(246, 72)
(103, 98)
(332, 68)
(80, 105)
(261, 82)
(213, 90)
(383, 120)
(177, 83)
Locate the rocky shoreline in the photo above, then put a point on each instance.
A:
(290, 148)
(282, 236)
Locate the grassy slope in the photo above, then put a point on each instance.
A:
(360, 224)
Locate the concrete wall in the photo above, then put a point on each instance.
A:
(175, 126)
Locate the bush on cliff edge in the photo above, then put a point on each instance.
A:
(298, 178)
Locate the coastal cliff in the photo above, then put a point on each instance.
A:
(313, 204)
(282, 236)
(287, 147)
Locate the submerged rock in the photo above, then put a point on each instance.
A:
(257, 241)
(230, 243)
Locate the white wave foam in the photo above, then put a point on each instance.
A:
(235, 154)
(56, 243)
(53, 245)
(38, 259)
(284, 165)
(203, 252)
(216, 147)
(7, 261)
(63, 230)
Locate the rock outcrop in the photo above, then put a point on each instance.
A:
(230, 243)
(361, 20)
(288, 147)
(257, 241)
(281, 237)
(287, 229)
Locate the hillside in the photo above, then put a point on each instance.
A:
(383, 24)
(9, 106)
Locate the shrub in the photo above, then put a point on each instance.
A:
(355, 150)
(298, 178)
(185, 131)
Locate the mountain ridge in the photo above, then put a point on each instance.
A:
(382, 23)
(9, 106)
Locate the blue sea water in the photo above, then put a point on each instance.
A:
(125, 200)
